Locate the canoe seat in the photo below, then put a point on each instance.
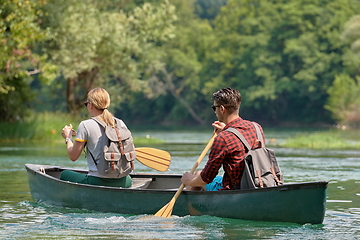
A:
(140, 183)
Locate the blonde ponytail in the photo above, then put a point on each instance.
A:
(108, 118)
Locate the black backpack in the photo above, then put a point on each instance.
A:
(261, 167)
(119, 151)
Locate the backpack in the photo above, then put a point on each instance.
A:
(119, 151)
(261, 168)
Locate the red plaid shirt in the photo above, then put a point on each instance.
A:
(229, 150)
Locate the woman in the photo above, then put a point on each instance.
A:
(91, 134)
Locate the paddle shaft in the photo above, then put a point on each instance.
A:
(201, 157)
(167, 209)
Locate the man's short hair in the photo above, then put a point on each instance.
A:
(228, 97)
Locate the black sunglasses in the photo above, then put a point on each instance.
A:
(86, 103)
(214, 107)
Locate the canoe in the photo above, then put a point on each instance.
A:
(296, 202)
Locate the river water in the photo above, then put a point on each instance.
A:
(22, 218)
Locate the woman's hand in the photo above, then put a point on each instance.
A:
(67, 131)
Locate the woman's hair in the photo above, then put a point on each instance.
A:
(100, 98)
(229, 98)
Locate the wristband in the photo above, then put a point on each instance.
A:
(67, 139)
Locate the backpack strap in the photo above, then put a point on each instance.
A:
(92, 156)
(99, 121)
(240, 136)
(246, 144)
(119, 141)
(258, 134)
(102, 123)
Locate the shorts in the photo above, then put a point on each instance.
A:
(215, 185)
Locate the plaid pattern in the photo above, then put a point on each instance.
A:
(228, 149)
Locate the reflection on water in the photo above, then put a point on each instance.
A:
(20, 218)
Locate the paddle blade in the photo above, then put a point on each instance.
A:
(166, 210)
(154, 158)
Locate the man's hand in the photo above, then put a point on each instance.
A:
(193, 182)
(218, 126)
(187, 178)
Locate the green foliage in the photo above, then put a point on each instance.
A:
(161, 62)
(99, 46)
(344, 100)
(320, 140)
(19, 31)
(85, 37)
(13, 105)
(49, 98)
(46, 127)
(281, 55)
(184, 56)
(351, 34)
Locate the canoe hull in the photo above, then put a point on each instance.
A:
(298, 203)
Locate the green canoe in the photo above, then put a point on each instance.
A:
(297, 203)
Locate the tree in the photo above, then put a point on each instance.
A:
(351, 34)
(184, 56)
(100, 46)
(344, 100)
(19, 31)
(344, 94)
(281, 55)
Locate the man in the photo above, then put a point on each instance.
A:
(227, 150)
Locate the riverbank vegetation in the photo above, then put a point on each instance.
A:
(332, 139)
(161, 60)
(35, 127)
(46, 127)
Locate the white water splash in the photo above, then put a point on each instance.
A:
(112, 219)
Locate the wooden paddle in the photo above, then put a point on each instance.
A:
(168, 208)
(154, 158)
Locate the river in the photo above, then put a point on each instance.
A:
(22, 218)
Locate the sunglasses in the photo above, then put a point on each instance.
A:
(214, 107)
(86, 103)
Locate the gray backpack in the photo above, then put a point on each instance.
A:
(119, 151)
(261, 168)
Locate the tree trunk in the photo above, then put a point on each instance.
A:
(82, 84)
(171, 87)
(70, 95)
